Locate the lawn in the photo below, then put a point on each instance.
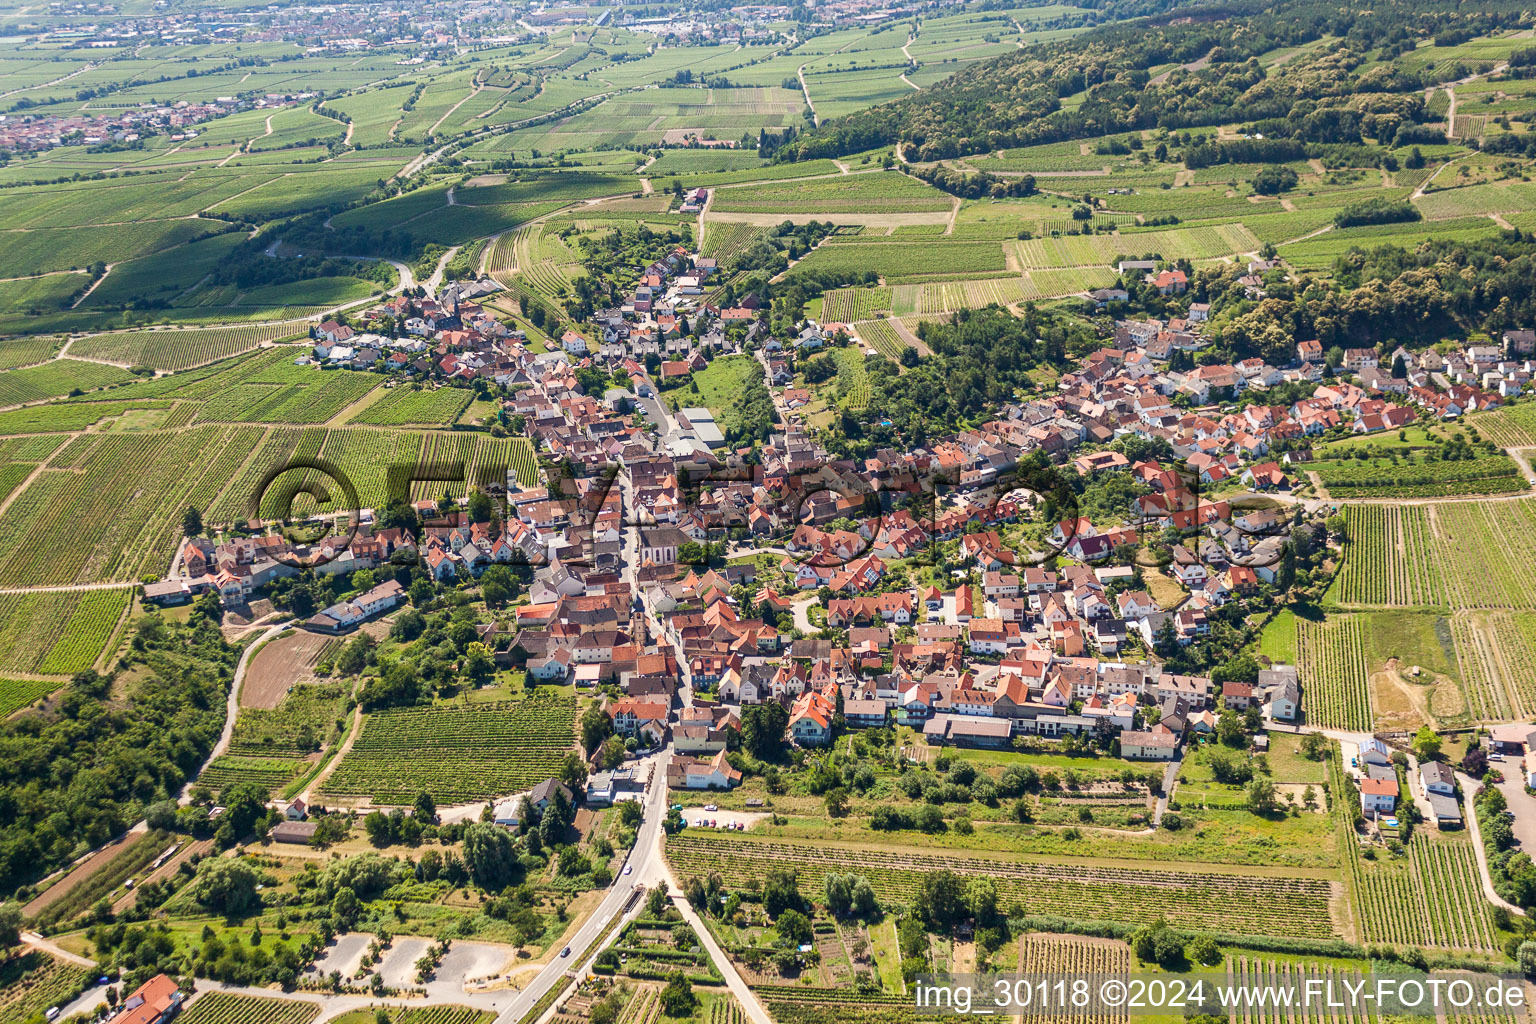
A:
(1278, 641)
(716, 386)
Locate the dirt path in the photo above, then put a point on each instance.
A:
(36, 941)
(472, 94)
(1194, 65)
(341, 752)
(800, 74)
(94, 285)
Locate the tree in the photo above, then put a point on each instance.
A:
(480, 506)
(376, 824)
(595, 727)
(345, 907)
(10, 924)
(479, 666)
(762, 730)
(677, 999)
(940, 899)
(837, 802)
(1261, 795)
(425, 809)
(794, 929)
(490, 856)
(226, 885)
(781, 891)
(1314, 746)
(1426, 745)
(1204, 950)
(191, 522)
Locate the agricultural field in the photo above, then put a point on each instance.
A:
(887, 192)
(1387, 477)
(180, 350)
(1333, 672)
(58, 633)
(1431, 897)
(229, 1008)
(1513, 426)
(56, 378)
(33, 982)
(403, 405)
(902, 261)
(456, 753)
(1073, 955)
(1389, 560)
(1250, 904)
(882, 337)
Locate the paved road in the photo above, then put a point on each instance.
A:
(642, 862)
(232, 707)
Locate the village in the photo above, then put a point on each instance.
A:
(813, 605)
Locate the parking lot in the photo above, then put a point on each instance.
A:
(698, 817)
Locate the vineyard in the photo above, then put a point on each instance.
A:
(801, 1004)
(1513, 426)
(299, 726)
(1515, 635)
(1483, 551)
(1489, 474)
(181, 349)
(32, 983)
(1390, 558)
(107, 508)
(852, 379)
(727, 242)
(270, 773)
(442, 1015)
(456, 753)
(56, 378)
(1226, 902)
(845, 305)
(16, 694)
(1477, 658)
(58, 633)
(405, 405)
(1431, 898)
(1258, 973)
(226, 1008)
(881, 336)
(1073, 955)
(1334, 672)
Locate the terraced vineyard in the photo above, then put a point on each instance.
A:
(178, 350)
(227, 1008)
(456, 753)
(1334, 672)
(1252, 904)
(1389, 561)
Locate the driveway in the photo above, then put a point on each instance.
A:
(1521, 803)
